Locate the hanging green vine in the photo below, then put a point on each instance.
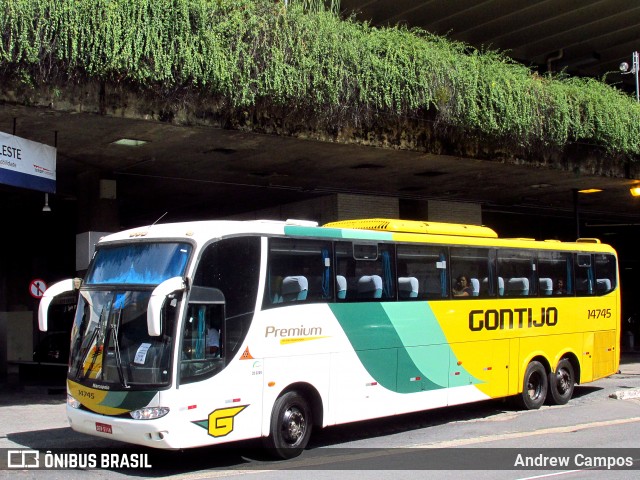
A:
(301, 55)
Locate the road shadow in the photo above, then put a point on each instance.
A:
(246, 455)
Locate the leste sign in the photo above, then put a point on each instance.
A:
(27, 164)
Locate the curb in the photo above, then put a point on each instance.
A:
(626, 394)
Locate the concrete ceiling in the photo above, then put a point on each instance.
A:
(586, 37)
(206, 172)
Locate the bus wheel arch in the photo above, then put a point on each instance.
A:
(294, 413)
(563, 380)
(535, 384)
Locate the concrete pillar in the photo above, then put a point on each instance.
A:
(97, 203)
(350, 206)
(455, 212)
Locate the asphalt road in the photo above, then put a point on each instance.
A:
(482, 440)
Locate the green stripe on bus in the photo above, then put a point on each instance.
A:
(400, 344)
(336, 233)
(128, 400)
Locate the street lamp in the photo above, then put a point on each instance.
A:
(624, 68)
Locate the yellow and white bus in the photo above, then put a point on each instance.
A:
(193, 334)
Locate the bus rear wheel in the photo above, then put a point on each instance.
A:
(291, 424)
(561, 383)
(535, 387)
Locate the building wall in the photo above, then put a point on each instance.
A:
(455, 212)
(365, 206)
(343, 206)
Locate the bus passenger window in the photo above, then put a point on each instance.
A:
(368, 271)
(555, 272)
(585, 279)
(202, 348)
(606, 274)
(299, 271)
(231, 266)
(422, 272)
(518, 269)
(472, 272)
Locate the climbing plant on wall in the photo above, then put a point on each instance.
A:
(302, 55)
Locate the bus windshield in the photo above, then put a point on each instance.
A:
(139, 264)
(110, 344)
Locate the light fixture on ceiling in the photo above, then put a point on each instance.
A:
(46, 207)
(590, 190)
(129, 142)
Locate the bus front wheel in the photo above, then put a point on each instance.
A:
(535, 387)
(561, 383)
(290, 426)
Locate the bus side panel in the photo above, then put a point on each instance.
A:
(423, 377)
(586, 370)
(600, 355)
(514, 372)
(225, 408)
(282, 373)
(296, 344)
(605, 353)
(600, 318)
(484, 364)
(423, 368)
(355, 394)
(550, 347)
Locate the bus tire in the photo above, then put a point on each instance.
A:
(535, 387)
(561, 383)
(291, 424)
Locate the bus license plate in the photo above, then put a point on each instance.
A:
(103, 428)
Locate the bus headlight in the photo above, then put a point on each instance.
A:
(149, 413)
(72, 402)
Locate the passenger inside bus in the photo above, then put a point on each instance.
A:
(462, 287)
(213, 341)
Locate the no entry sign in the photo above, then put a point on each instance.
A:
(37, 288)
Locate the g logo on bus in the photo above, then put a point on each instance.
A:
(221, 420)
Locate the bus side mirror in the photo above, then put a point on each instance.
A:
(158, 296)
(50, 293)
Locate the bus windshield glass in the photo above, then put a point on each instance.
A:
(138, 264)
(110, 343)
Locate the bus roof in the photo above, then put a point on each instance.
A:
(370, 229)
(414, 226)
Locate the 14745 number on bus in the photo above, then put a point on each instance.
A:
(599, 313)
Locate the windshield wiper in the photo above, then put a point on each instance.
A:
(83, 356)
(113, 333)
